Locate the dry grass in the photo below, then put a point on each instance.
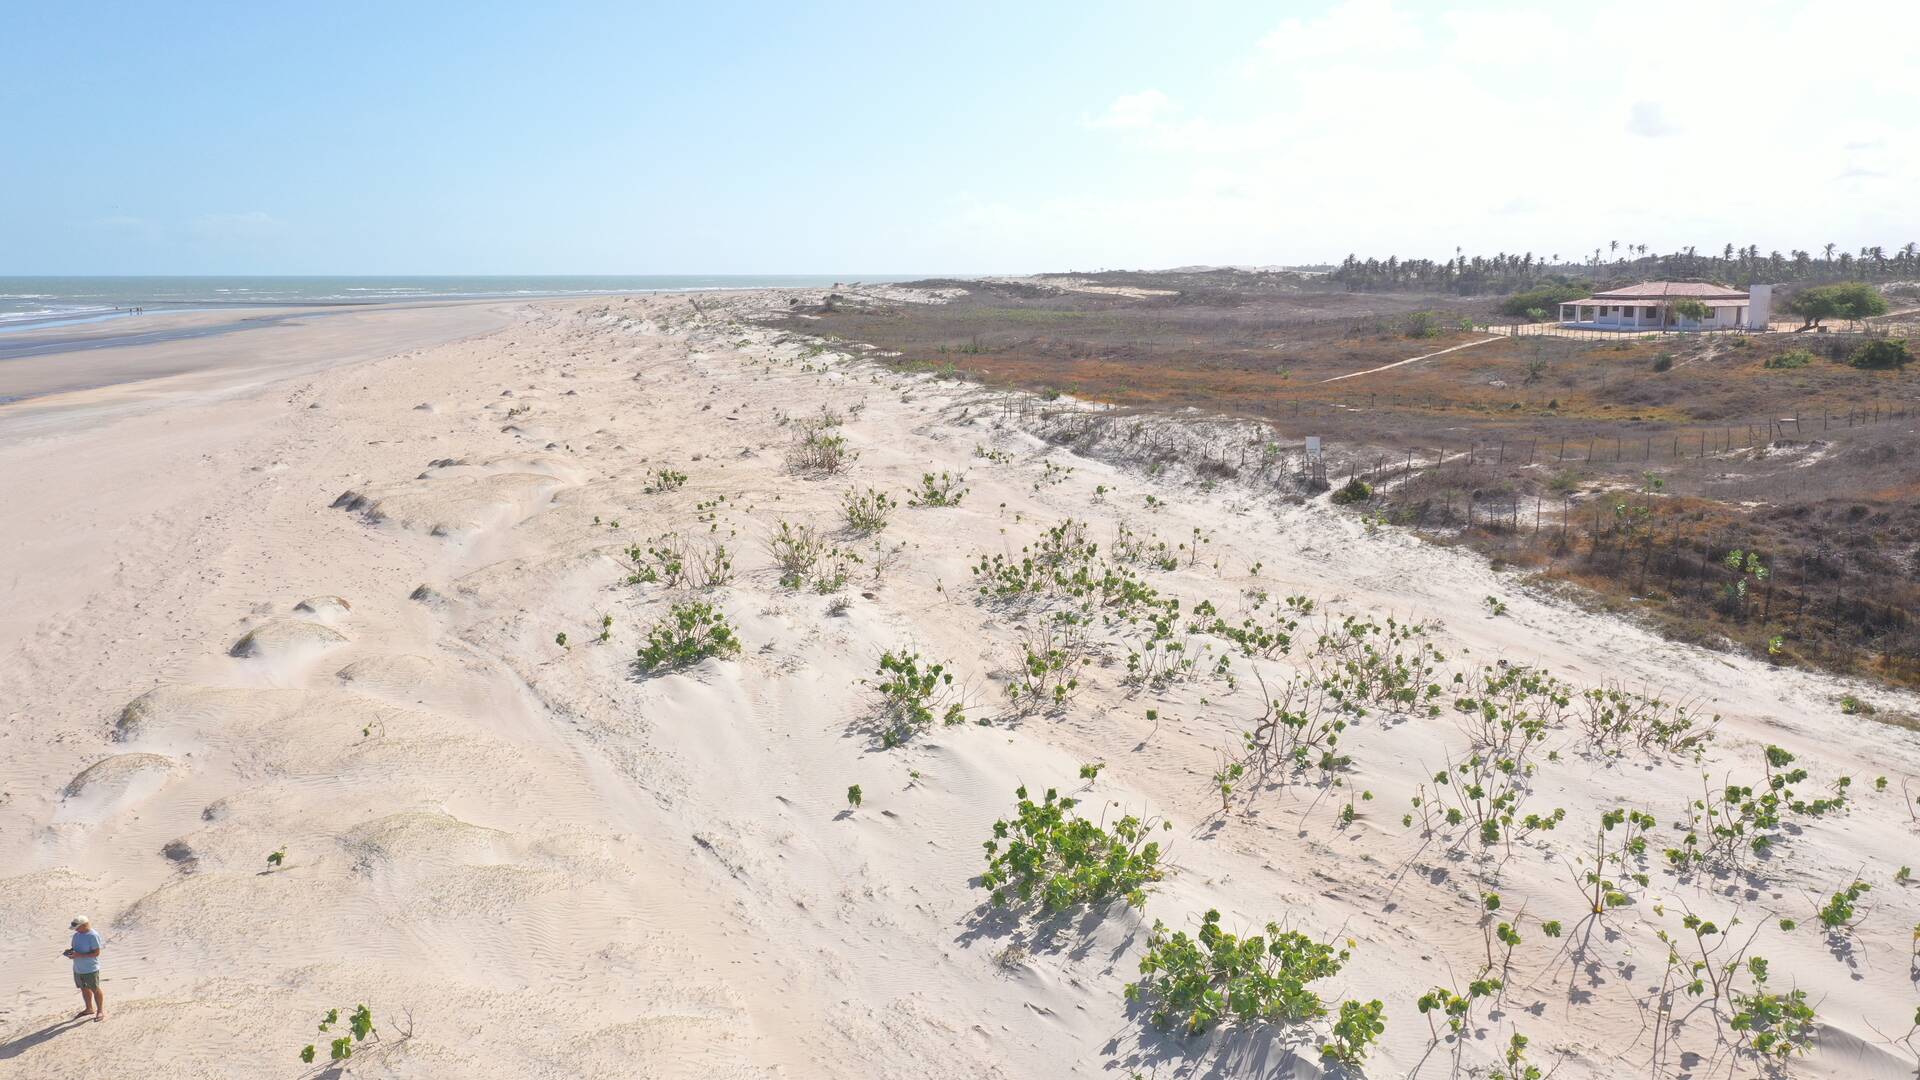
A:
(1536, 434)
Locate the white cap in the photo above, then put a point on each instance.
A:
(78, 921)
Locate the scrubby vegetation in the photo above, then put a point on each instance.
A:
(1542, 302)
(818, 452)
(680, 561)
(359, 1027)
(1192, 983)
(1049, 855)
(1883, 354)
(808, 559)
(1843, 300)
(867, 512)
(691, 632)
(1355, 490)
(913, 695)
(1308, 696)
(665, 480)
(942, 490)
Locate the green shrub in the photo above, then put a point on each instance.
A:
(1049, 657)
(807, 559)
(942, 490)
(1062, 860)
(1353, 491)
(1663, 362)
(1846, 300)
(912, 695)
(666, 480)
(1772, 1026)
(1359, 1025)
(1792, 358)
(867, 513)
(692, 631)
(680, 561)
(1196, 982)
(1538, 303)
(1884, 354)
(1421, 324)
(1689, 309)
(820, 453)
(341, 1048)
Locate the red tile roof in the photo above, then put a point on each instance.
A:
(1671, 290)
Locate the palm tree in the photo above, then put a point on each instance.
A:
(1829, 250)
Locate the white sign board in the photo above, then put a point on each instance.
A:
(1313, 446)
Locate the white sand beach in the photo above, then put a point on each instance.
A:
(305, 593)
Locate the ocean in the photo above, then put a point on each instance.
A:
(43, 301)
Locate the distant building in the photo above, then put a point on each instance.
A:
(1649, 306)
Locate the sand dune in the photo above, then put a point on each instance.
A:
(397, 647)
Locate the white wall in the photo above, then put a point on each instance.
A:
(1759, 306)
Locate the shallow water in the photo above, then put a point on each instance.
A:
(40, 301)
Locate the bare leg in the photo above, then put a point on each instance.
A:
(86, 1003)
(99, 1005)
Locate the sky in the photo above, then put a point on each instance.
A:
(483, 138)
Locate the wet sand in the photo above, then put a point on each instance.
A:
(78, 365)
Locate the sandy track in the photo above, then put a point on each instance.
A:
(560, 868)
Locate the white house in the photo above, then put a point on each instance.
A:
(1649, 306)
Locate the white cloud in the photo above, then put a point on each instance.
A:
(1379, 130)
(1649, 119)
(1134, 111)
(1357, 28)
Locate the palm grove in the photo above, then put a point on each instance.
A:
(1505, 273)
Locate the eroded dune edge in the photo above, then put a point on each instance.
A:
(397, 638)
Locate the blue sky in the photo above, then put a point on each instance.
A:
(857, 137)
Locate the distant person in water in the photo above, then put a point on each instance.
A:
(85, 954)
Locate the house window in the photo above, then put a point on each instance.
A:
(1651, 312)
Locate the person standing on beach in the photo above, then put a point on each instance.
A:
(85, 954)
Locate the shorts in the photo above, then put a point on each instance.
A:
(87, 981)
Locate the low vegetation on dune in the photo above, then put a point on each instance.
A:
(1108, 611)
(1629, 466)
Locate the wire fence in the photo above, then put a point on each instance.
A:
(1748, 581)
(1624, 448)
(1868, 328)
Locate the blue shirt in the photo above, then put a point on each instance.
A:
(86, 941)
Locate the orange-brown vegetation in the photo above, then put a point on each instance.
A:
(1633, 467)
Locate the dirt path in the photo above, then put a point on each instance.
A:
(1409, 360)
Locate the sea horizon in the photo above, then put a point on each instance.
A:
(56, 299)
